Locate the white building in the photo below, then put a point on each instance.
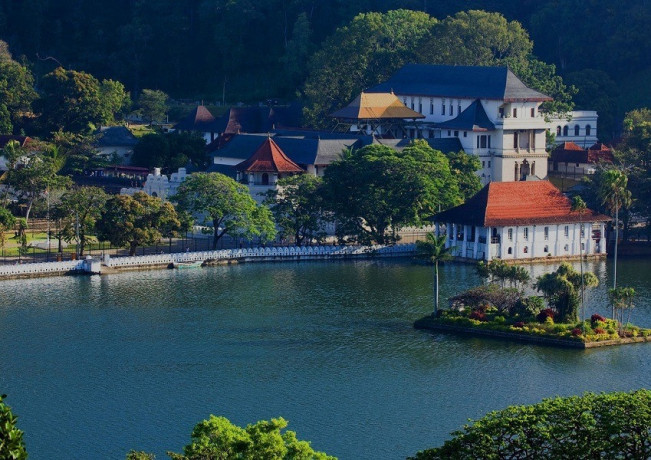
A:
(522, 221)
(159, 185)
(579, 127)
(493, 114)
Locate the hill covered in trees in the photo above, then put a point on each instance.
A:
(243, 50)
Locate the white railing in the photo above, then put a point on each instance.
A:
(43, 267)
(290, 252)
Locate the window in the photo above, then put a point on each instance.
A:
(412, 103)
(526, 249)
(465, 134)
(483, 142)
(546, 249)
(588, 130)
(566, 231)
(489, 141)
(558, 130)
(515, 113)
(420, 105)
(509, 251)
(576, 130)
(515, 140)
(431, 106)
(501, 112)
(525, 233)
(456, 134)
(442, 106)
(459, 108)
(477, 141)
(533, 112)
(546, 231)
(510, 234)
(449, 133)
(404, 101)
(489, 163)
(451, 109)
(566, 130)
(265, 179)
(583, 246)
(483, 164)
(566, 248)
(582, 231)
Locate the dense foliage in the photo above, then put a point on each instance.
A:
(614, 425)
(218, 438)
(12, 446)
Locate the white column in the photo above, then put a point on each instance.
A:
(602, 242)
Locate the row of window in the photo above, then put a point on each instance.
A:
(525, 250)
(445, 108)
(525, 232)
(515, 112)
(577, 129)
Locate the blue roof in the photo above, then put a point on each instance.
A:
(468, 82)
(473, 118)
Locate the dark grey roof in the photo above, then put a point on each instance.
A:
(199, 120)
(445, 145)
(226, 170)
(115, 136)
(497, 83)
(473, 118)
(240, 146)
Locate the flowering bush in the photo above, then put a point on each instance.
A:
(576, 332)
(519, 324)
(599, 331)
(596, 317)
(478, 315)
(546, 313)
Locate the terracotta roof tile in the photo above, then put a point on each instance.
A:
(269, 158)
(501, 204)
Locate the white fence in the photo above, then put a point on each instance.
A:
(272, 253)
(42, 268)
(260, 254)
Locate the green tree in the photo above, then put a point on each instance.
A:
(363, 53)
(374, 191)
(621, 299)
(139, 455)
(134, 221)
(80, 209)
(152, 105)
(297, 207)
(16, 91)
(464, 167)
(169, 151)
(227, 205)
(614, 195)
(499, 270)
(115, 101)
(7, 222)
(218, 438)
(607, 425)
(12, 446)
(434, 250)
(561, 289)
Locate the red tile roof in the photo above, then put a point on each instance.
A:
(501, 204)
(22, 140)
(269, 158)
(569, 152)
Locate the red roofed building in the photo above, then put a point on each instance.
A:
(569, 158)
(265, 167)
(522, 220)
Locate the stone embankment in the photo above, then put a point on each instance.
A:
(225, 256)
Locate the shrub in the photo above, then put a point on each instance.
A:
(528, 306)
(519, 324)
(549, 321)
(599, 330)
(544, 314)
(596, 317)
(499, 319)
(576, 332)
(478, 315)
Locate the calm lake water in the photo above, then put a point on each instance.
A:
(96, 366)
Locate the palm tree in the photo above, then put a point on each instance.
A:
(613, 195)
(434, 250)
(579, 205)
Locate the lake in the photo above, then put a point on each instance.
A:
(95, 366)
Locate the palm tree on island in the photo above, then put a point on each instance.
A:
(434, 250)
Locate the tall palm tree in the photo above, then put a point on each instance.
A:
(579, 205)
(434, 250)
(614, 195)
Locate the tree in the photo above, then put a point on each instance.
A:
(464, 167)
(374, 191)
(218, 438)
(498, 269)
(621, 299)
(363, 53)
(12, 446)
(614, 195)
(169, 151)
(16, 91)
(136, 220)
(7, 221)
(81, 208)
(115, 100)
(298, 208)
(579, 206)
(607, 425)
(480, 38)
(560, 288)
(434, 250)
(227, 205)
(31, 174)
(152, 105)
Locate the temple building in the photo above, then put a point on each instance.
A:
(522, 221)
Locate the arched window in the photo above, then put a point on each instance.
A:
(566, 130)
(558, 130)
(509, 251)
(526, 249)
(588, 129)
(265, 179)
(576, 130)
